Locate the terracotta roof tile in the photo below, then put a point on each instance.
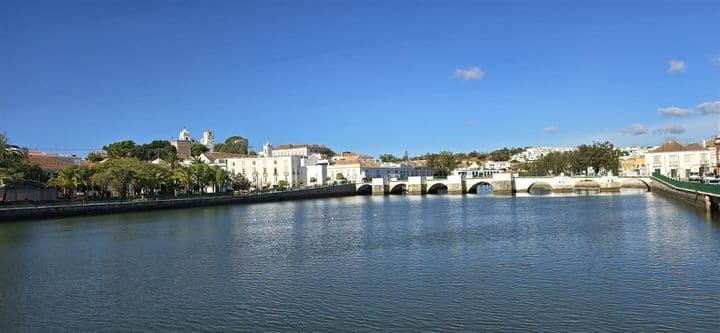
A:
(49, 163)
(216, 156)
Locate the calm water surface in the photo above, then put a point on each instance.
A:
(401, 263)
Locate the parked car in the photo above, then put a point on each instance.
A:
(694, 177)
(708, 176)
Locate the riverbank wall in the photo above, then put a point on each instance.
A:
(42, 212)
(693, 198)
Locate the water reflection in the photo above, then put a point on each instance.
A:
(628, 261)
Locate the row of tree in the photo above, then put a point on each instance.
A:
(129, 176)
(601, 157)
(146, 152)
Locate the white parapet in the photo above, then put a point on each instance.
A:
(379, 181)
(502, 176)
(455, 179)
(417, 180)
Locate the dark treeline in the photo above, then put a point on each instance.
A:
(599, 156)
(602, 157)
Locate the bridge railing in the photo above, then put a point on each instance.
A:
(699, 187)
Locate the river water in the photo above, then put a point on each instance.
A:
(625, 262)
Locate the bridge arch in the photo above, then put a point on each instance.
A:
(437, 188)
(586, 184)
(365, 189)
(540, 187)
(635, 183)
(398, 188)
(473, 188)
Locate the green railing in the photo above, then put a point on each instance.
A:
(699, 187)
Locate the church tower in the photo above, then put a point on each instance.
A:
(208, 140)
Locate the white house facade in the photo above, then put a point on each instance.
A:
(677, 161)
(261, 171)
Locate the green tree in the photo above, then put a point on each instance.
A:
(202, 175)
(339, 176)
(95, 157)
(388, 158)
(239, 182)
(234, 145)
(120, 149)
(327, 151)
(313, 180)
(152, 177)
(70, 179)
(184, 174)
(282, 185)
(442, 163)
(220, 177)
(153, 150)
(10, 178)
(198, 149)
(117, 175)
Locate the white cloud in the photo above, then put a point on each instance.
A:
(472, 73)
(710, 107)
(550, 129)
(715, 60)
(635, 130)
(675, 112)
(677, 66)
(669, 129)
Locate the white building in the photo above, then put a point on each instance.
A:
(674, 160)
(261, 171)
(291, 150)
(498, 165)
(476, 171)
(359, 169)
(536, 153)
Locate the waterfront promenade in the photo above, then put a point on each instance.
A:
(22, 212)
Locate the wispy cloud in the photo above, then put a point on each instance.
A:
(635, 130)
(709, 107)
(674, 111)
(715, 60)
(669, 129)
(550, 129)
(677, 66)
(471, 73)
(469, 123)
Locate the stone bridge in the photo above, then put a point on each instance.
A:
(500, 184)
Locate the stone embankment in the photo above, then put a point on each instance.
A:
(692, 198)
(40, 212)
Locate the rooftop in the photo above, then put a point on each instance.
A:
(49, 163)
(216, 156)
(674, 146)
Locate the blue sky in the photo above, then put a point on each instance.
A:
(367, 76)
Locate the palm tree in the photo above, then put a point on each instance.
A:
(201, 174)
(69, 178)
(185, 176)
(220, 177)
